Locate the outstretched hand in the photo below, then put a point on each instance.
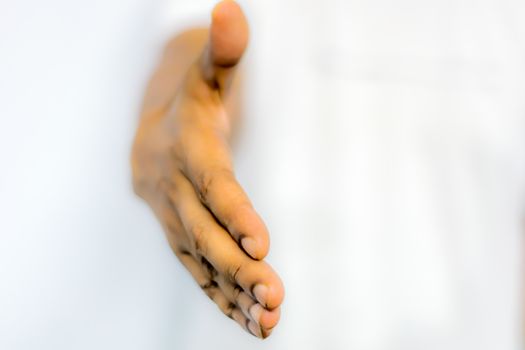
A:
(182, 167)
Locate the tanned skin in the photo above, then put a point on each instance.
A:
(182, 167)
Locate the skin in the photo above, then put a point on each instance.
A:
(182, 167)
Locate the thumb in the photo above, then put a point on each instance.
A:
(228, 38)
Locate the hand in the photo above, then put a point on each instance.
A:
(182, 167)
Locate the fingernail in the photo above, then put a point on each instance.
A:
(254, 329)
(250, 246)
(266, 332)
(255, 312)
(260, 292)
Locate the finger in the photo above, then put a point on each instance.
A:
(233, 293)
(212, 290)
(203, 278)
(170, 221)
(228, 38)
(248, 325)
(209, 56)
(210, 240)
(265, 319)
(252, 309)
(209, 167)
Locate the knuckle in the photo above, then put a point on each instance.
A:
(208, 267)
(181, 252)
(139, 187)
(228, 310)
(210, 287)
(236, 292)
(203, 185)
(173, 228)
(234, 270)
(139, 182)
(208, 178)
(176, 151)
(141, 174)
(172, 200)
(198, 232)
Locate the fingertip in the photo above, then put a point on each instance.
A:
(275, 296)
(252, 233)
(270, 296)
(266, 333)
(229, 33)
(256, 249)
(251, 247)
(262, 239)
(254, 329)
(227, 10)
(269, 319)
(224, 7)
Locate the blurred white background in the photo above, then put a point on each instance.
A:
(384, 146)
(82, 263)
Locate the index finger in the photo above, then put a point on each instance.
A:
(208, 165)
